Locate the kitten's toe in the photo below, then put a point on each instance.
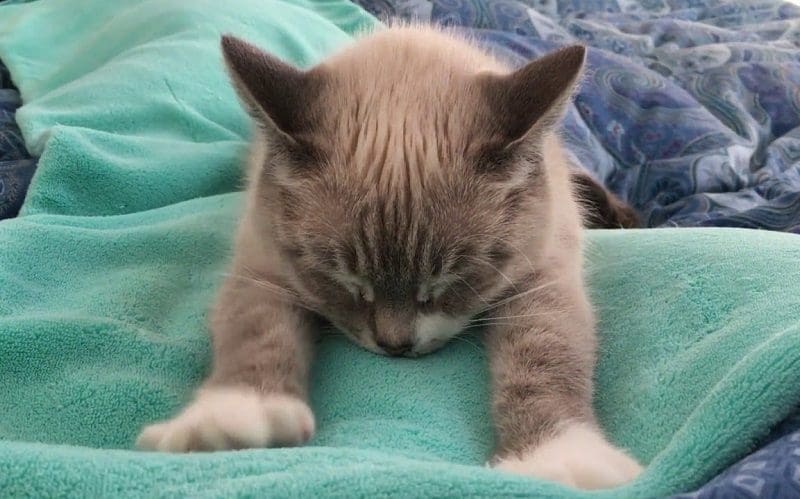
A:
(151, 436)
(579, 457)
(232, 418)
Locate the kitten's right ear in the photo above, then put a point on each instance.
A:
(534, 96)
(276, 94)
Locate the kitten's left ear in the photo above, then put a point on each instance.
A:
(535, 96)
(277, 94)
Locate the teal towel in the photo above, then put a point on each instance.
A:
(106, 278)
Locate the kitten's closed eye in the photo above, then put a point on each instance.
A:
(424, 295)
(367, 294)
(360, 289)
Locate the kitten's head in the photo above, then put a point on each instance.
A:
(403, 181)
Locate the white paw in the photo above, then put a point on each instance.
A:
(232, 418)
(579, 457)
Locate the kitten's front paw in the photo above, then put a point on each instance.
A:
(579, 457)
(232, 418)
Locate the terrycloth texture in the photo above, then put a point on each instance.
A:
(106, 278)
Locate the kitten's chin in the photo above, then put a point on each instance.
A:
(417, 351)
(429, 347)
(422, 346)
(364, 341)
(370, 347)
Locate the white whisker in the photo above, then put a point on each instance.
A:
(517, 296)
(530, 263)
(473, 345)
(481, 320)
(487, 262)
(280, 291)
(470, 287)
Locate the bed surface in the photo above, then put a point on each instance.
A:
(106, 276)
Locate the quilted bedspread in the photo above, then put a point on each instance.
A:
(690, 110)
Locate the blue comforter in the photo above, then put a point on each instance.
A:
(16, 166)
(690, 110)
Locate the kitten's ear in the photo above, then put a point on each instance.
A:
(533, 97)
(277, 94)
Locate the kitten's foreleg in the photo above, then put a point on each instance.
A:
(541, 351)
(256, 394)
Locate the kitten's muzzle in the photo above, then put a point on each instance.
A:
(395, 349)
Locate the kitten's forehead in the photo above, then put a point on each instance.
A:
(430, 64)
(402, 108)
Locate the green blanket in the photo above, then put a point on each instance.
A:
(106, 277)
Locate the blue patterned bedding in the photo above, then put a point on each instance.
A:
(771, 472)
(16, 166)
(691, 108)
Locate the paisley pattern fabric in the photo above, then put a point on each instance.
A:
(690, 110)
(16, 166)
(772, 472)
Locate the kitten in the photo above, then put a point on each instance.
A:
(399, 189)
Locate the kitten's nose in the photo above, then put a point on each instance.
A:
(395, 350)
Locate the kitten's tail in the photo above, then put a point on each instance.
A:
(602, 209)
